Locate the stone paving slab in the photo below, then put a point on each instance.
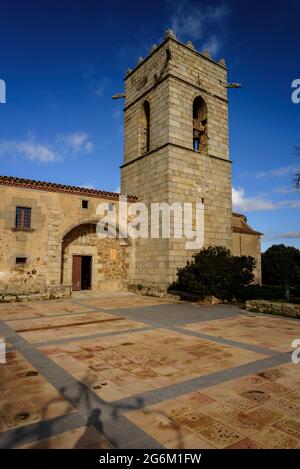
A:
(255, 411)
(117, 430)
(261, 331)
(42, 431)
(26, 396)
(125, 371)
(36, 309)
(130, 301)
(68, 327)
(169, 313)
(139, 362)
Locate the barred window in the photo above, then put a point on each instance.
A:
(23, 218)
(21, 261)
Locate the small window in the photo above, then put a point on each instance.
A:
(21, 261)
(23, 218)
(85, 204)
(145, 128)
(200, 138)
(111, 207)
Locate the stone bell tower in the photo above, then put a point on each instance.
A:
(176, 149)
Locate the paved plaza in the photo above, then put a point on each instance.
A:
(126, 371)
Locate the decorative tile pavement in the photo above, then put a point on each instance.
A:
(125, 371)
(261, 331)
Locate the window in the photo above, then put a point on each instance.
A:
(145, 128)
(85, 204)
(23, 218)
(200, 138)
(21, 261)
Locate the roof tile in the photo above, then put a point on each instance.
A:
(53, 187)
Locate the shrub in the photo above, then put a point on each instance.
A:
(256, 292)
(214, 271)
(281, 266)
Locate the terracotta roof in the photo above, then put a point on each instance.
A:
(53, 187)
(246, 230)
(239, 215)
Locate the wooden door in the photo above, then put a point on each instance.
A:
(86, 273)
(76, 273)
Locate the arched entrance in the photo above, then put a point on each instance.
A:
(90, 263)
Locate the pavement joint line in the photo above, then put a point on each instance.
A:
(117, 312)
(183, 304)
(224, 341)
(93, 309)
(221, 340)
(37, 431)
(65, 326)
(172, 391)
(61, 315)
(113, 425)
(60, 378)
(82, 338)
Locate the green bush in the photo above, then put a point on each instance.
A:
(295, 291)
(256, 292)
(214, 271)
(281, 266)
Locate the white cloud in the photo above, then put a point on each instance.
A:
(289, 203)
(29, 150)
(190, 21)
(88, 185)
(291, 235)
(251, 204)
(2, 92)
(117, 114)
(285, 190)
(241, 202)
(101, 86)
(95, 83)
(213, 45)
(76, 142)
(273, 236)
(61, 147)
(275, 172)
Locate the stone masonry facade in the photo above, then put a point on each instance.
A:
(60, 228)
(175, 151)
(171, 79)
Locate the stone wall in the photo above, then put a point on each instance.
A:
(276, 308)
(54, 216)
(109, 257)
(53, 292)
(246, 242)
(170, 79)
(249, 245)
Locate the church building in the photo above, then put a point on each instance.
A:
(176, 150)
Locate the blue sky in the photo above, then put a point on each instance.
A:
(63, 60)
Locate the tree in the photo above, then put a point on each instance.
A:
(281, 266)
(214, 271)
